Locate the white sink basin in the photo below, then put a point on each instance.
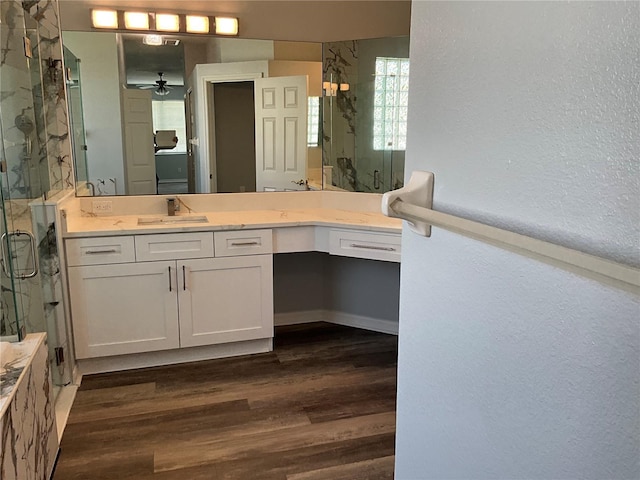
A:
(172, 220)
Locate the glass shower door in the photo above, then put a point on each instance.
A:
(32, 171)
(10, 328)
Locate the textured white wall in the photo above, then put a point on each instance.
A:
(528, 113)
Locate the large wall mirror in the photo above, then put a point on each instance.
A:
(187, 114)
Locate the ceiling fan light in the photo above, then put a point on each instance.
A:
(136, 21)
(226, 26)
(104, 18)
(197, 24)
(154, 40)
(166, 22)
(161, 91)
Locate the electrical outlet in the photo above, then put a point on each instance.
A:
(102, 206)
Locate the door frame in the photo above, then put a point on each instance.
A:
(211, 122)
(204, 141)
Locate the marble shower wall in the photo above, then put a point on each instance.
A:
(340, 65)
(22, 145)
(50, 304)
(54, 101)
(33, 101)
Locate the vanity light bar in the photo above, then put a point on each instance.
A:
(163, 22)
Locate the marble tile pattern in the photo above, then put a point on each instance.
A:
(339, 121)
(51, 306)
(17, 113)
(27, 422)
(78, 226)
(33, 100)
(58, 143)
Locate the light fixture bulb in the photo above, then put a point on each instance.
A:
(104, 18)
(197, 24)
(226, 26)
(166, 22)
(136, 21)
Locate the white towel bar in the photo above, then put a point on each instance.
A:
(397, 204)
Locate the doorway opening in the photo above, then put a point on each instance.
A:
(233, 137)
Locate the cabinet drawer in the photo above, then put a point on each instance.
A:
(243, 242)
(174, 246)
(100, 251)
(372, 245)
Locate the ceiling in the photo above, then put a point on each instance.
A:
(143, 62)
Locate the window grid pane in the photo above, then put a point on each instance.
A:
(313, 122)
(390, 103)
(169, 115)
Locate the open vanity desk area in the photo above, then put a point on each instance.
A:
(148, 289)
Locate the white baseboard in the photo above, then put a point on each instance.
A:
(339, 318)
(295, 318)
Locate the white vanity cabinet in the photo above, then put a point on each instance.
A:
(123, 308)
(173, 294)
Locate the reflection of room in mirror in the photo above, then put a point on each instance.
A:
(110, 59)
(360, 121)
(343, 158)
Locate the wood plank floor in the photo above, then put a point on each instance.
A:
(321, 406)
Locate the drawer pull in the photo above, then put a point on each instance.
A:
(373, 247)
(170, 289)
(184, 278)
(97, 252)
(244, 244)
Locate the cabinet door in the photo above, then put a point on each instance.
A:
(225, 299)
(126, 308)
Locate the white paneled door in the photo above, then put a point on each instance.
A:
(281, 133)
(140, 160)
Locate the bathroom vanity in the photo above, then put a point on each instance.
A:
(149, 289)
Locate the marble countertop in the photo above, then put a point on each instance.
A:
(12, 370)
(88, 226)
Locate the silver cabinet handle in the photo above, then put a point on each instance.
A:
(96, 252)
(243, 244)
(4, 239)
(373, 247)
(170, 289)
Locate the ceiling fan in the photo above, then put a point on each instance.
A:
(161, 87)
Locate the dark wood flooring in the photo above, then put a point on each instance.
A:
(321, 406)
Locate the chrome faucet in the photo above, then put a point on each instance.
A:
(171, 206)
